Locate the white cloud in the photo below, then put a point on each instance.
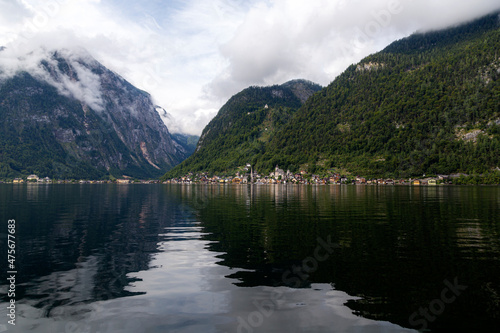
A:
(12, 12)
(88, 86)
(317, 40)
(86, 89)
(193, 55)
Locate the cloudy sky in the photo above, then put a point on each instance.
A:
(193, 55)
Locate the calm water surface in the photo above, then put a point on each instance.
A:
(175, 258)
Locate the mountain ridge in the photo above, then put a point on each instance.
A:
(426, 104)
(65, 115)
(399, 113)
(244, 124)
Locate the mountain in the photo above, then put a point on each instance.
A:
(64, 115)
(242, 128)
(427, 104)
(187, 141)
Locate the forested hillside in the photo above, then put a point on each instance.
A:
(240, 132)
(429, 103)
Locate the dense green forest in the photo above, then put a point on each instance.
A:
(402, 111)
(427, 104)
(244, 125)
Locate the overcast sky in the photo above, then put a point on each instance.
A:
(193, 55)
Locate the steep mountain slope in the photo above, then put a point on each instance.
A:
(429, 103)
(187, 141)
(64, 115)
(244, 125)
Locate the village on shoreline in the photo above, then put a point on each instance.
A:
(246, 175)
(278, 176)
(303, 178)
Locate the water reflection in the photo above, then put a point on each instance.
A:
(396, 244)
(155, 258)
(79, 243)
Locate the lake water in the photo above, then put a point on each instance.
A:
(178, 258)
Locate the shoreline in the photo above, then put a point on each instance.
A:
(235, 184)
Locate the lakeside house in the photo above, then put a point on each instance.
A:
(18, 181)
(432, 182)
(123, 181)
(416, 182)
(33, 178)
(360, 180)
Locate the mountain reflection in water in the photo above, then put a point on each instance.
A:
(173, 258)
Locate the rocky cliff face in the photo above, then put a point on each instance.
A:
(65, 115)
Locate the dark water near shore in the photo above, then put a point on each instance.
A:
(176, 258)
